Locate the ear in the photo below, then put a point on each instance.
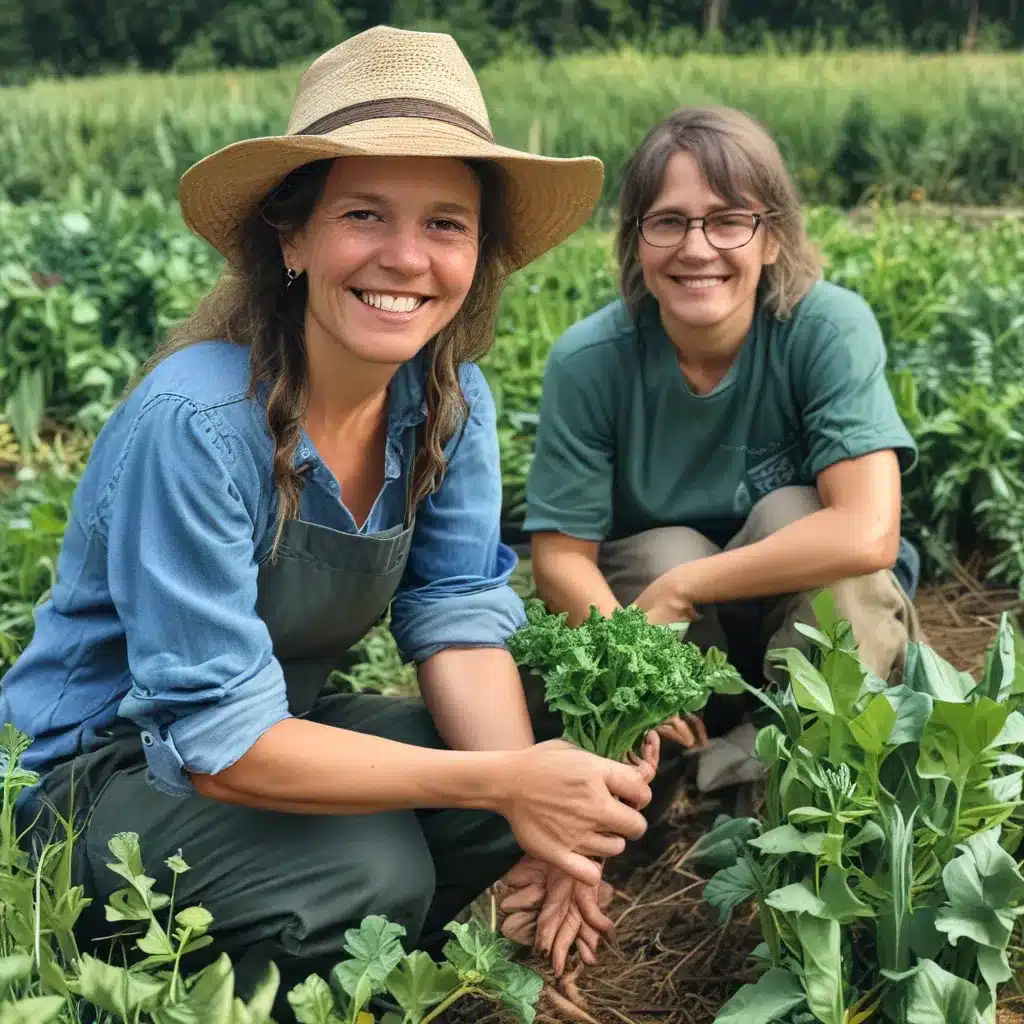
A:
(772, 248)
(291, 252)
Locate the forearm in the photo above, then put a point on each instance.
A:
(570, 582)
(304, 767)
(476, 699)
(815, 551)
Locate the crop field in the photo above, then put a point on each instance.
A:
(877, 882)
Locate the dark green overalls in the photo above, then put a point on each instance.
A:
(285, 887)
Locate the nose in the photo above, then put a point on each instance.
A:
(695, 245)
(404, 250)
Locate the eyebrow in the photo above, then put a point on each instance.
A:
(715, 208)
(374, 197)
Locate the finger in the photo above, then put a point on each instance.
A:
(571, 863)
(606, 893)
(700, 729)
(590, 910)
(651, 750)
(588, 940)
(526, 898)
(624, 782)
(521, 928)
(683, 732)
(598, 845)
(566, 936)
(525, 872)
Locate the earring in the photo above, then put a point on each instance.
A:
(292, 275)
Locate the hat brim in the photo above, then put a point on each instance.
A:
(548, 198)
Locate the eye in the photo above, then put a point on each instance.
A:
(449, 225)
(360, 215)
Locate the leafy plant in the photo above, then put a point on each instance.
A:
(477, 963)
(45, 977)
(883, 867)
(611, 678)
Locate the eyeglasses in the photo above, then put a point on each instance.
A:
(723, 230)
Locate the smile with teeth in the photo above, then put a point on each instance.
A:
(700, 282)
(391, 303)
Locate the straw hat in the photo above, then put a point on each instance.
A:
(387, 92)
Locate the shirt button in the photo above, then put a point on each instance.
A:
(147, 738)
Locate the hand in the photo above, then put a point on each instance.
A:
(665, 600)
(565, 805)
(553, 911)
(686, 730)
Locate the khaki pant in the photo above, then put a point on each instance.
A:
(882, 616)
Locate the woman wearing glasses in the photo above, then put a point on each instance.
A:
(721, 442)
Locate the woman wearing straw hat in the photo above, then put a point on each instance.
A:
(314, 445)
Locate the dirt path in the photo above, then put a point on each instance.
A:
(672, 962)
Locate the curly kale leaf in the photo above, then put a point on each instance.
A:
(611, 678)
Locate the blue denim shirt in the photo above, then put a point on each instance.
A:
(152, 616)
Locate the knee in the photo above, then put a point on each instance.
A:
(634, 562)
(780, 508)
(400, 881)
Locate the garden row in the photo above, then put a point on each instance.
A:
(849, 124)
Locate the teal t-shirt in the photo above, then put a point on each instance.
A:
(624, 445)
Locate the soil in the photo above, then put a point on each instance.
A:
(671, 962)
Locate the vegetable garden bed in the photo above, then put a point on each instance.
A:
(673, 961)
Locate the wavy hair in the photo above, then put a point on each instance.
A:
(251, 305)
(741, 163)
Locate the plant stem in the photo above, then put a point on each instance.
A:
(177, 961)
(462, 990)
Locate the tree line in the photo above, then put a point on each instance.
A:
(74, 37)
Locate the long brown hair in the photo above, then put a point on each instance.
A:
(253, 305)
(740, 162)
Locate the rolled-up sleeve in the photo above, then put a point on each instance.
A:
(182, 572)
(456, 590)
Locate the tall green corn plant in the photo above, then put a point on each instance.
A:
(883, 866)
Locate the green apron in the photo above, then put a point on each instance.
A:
(285, 887)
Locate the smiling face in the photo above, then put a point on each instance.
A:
(699, 288)
(389, 254)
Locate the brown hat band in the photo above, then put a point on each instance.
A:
(396, 107)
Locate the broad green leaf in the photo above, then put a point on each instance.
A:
(870, 833)
(417, 983)
(821, 639)
(808, 815)
(844, 673)
(723, 844)
(809, 686)
(775, 994)
(933, 994)
(820, 944)
(927, 672)
(874, 725)
(115, 989)
(788, 839)
(313, 1002)
(956, 735)
(823, 604)
(1000, 668)
(982, 886)
(261, 1003)
(517, 987)
(1012, 733)
(732, 886)
(839, 899)
(376, 950)
(155, 942)
(209, 1000)
(796, 899)
(913, 710)
(926, 941)
(32, 1010)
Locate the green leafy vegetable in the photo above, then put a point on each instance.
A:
(612, 678)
